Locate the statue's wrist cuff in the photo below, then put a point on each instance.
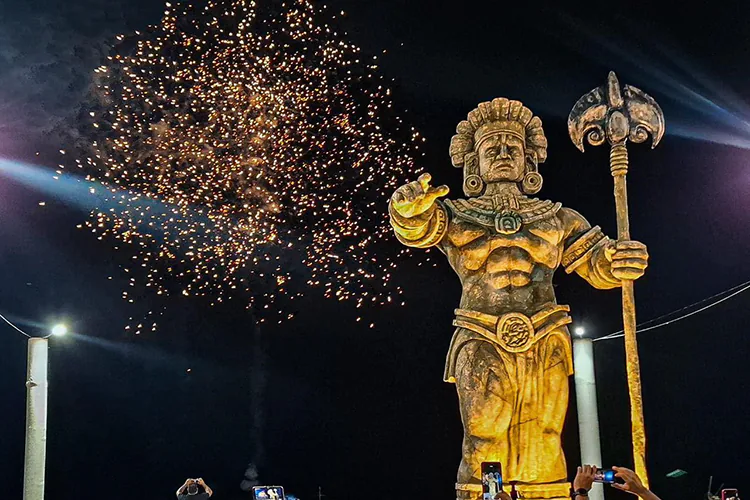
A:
(581, 249)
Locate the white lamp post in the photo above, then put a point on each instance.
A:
(36, 419)
(36, 414)
(36, 410)
(588, 415)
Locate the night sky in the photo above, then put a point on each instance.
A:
(364, 413)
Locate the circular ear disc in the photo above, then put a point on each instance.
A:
(473, 185)
(532, 183)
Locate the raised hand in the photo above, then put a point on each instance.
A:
(417, 197)
(631, 482)
(584, 477)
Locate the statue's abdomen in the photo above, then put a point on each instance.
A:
(509, 267)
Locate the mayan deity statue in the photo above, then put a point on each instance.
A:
(510, 356)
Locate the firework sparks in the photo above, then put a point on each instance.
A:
(249, 150)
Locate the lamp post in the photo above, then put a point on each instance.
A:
(588, 415)
(36, 411)
(36, 419)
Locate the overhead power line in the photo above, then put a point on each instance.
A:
(733, 292)
(14, 326)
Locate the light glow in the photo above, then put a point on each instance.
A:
(59, 330)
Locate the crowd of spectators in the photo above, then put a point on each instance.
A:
(628, 481)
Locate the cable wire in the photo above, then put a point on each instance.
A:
(14, 326)
(724, 292)
(736, 291)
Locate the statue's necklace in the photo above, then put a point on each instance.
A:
(507, 220)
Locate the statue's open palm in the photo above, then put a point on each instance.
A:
(417, 197)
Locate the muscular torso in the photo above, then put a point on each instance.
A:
(506, 272)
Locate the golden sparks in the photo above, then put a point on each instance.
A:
(247, 151)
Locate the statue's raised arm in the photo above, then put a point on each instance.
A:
(416, 217)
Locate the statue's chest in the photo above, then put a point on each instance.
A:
(482, 237)
(538, 243)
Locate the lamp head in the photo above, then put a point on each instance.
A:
(59, 330)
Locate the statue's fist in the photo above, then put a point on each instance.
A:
(629, 259)
(417, 197)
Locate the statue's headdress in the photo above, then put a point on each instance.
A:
(501, 116)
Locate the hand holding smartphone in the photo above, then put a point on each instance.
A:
(268, 493)
(606, 476)
(492, 480)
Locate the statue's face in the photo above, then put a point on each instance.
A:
(502, 159)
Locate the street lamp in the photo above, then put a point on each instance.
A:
(59, 330)
(36, 410)
(588, 415)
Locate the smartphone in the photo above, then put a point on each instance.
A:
(268, 493)
(604, 476)
(492, 480)
(729, 494)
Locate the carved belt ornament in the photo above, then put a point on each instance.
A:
(514, 332)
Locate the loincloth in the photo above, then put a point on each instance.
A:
(513, 332)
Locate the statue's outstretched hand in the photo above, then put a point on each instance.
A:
(629, 259)
(417, 197)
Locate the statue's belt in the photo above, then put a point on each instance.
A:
(514, 332)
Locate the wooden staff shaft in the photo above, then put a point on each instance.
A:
(619, 168)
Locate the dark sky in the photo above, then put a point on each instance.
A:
(363, 413)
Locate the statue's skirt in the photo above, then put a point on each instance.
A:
(511, 373)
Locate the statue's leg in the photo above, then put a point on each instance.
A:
(557, 370)
(544, 467)
(486, 398)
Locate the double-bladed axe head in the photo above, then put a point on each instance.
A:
(609, 113)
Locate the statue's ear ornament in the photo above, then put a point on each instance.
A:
(473, 184)
(532, 180)
(532, 183)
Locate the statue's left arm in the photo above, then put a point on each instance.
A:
(596, 258)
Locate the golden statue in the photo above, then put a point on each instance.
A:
(510, 356)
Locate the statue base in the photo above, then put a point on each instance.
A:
(550, 491)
